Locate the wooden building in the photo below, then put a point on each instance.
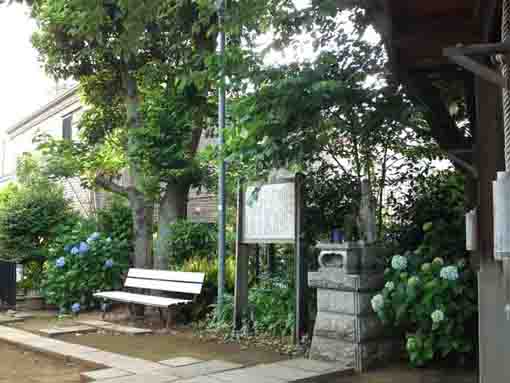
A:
(416, 33)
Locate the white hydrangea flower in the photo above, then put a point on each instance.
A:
(377, 302)
(450, 273)
(437, 316)
(413, 281)
(438, 260)
(399, 262)
(390, 286)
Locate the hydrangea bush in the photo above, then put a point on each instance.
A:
(434, 303)
(80, 265)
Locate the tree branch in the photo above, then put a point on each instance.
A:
(331, 153)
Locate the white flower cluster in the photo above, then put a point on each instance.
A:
(450, 273)
(399, 262)
(438, 260)
(437, 316)
(377, 302)
(390, 286)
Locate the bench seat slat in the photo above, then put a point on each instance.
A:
(155, 284)
(175, 276)
(142, 299)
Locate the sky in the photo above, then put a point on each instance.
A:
(23, 85)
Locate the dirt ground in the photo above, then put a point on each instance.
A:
(19, 366)
(181, 342)
(155, 347)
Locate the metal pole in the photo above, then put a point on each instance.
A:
(221, 170)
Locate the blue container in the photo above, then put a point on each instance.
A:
(337, 236)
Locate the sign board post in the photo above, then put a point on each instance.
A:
(270, 214)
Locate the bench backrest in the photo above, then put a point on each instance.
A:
(171, 281)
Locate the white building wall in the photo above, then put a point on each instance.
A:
(48, 120)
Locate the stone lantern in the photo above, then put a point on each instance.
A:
(347, 330)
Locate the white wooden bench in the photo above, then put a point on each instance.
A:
(188, 285)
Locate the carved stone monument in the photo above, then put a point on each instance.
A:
(346, 328)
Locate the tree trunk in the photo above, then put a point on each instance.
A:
(173, 206)
(143, 209)
(142, 228)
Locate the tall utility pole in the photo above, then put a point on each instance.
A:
(221, 181)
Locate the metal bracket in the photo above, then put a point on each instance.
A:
(460, 55)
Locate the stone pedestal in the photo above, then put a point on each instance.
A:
(346, 328)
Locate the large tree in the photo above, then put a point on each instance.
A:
(339, 119)
(147, 69)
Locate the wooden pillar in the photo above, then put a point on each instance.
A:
(494, 329)
(242, 258)
(490, 159)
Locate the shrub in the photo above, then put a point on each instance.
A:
(430, 216)
(210, 268)
(271, 305)
(191, 240)
(117, 220)
(80, 264)
(30, 212)
(434, 303)
(28, 221)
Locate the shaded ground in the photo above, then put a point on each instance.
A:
(404, 374)
(158, 346)
(19, 366)
(181, 342)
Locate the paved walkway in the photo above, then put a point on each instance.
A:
(126, 369)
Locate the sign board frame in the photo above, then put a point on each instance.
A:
(244, 246)
(294, 209)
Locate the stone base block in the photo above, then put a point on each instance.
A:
(350, 328)
(344, 302)
(338, 279)
(359, 356)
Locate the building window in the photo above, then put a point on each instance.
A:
(67, 127)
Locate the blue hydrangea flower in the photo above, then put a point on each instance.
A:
(61, 262)
(83, 248)
(74, 250)
(75, 308)
(399, 262)
(108, 264)
(437, 316)
(93, 237)
(377, 302)
(450, 273)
